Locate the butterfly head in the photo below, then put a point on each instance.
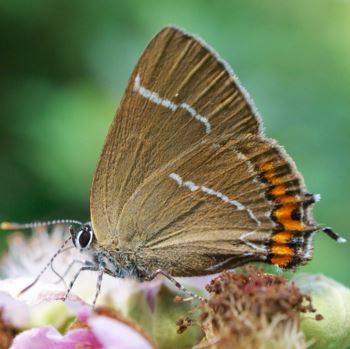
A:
(84, 237)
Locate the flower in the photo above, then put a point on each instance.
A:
(27, 257)
(13, 315)
(48, 337)
(98, 330)
(254, 310)
(13, 312)
(145, 310)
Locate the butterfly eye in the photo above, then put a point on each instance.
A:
(84, 238)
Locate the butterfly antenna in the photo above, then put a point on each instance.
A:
(46, 266)
(15, 226)
(333, 235)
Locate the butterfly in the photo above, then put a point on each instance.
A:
(187, 183)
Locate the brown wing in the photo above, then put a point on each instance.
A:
(221, 202)
(178, 93)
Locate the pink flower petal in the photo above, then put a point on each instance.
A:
(151, 289)
(83, 313)
(115, 334)
(49, 337)
(14, 312)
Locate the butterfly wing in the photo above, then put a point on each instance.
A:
(179, 93)
(218, 204)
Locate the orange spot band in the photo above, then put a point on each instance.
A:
(278, 190)
(282, 254)
(281, 261)
(282, 249)
(286, 199)
(282, 237)
(266, 166)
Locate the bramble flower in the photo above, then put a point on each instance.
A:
(95, 330)
(254, 310)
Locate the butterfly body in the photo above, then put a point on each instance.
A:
(143, 263)
(187, 183)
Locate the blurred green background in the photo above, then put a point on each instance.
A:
(64, 66)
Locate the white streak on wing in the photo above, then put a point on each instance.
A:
(253, 217)
(152, 96)
(137, 83)
(169, 104)
(193, 187)
(239, 206)
(243, 238)
(223, 197)
(176, 178)
(155, 98)
(197, 116)
(247, 162)
(220, 264)
(241, 156)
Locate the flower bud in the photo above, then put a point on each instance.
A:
(330, 328)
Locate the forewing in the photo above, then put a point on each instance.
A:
(178, 93)
(219, 202)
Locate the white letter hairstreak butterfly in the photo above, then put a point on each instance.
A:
(187, 183)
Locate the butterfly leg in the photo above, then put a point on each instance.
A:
(88, 266)
(67, 270)
(101, 271)
(176, 283)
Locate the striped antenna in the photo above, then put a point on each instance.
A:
(60, 250)
(14, 226)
